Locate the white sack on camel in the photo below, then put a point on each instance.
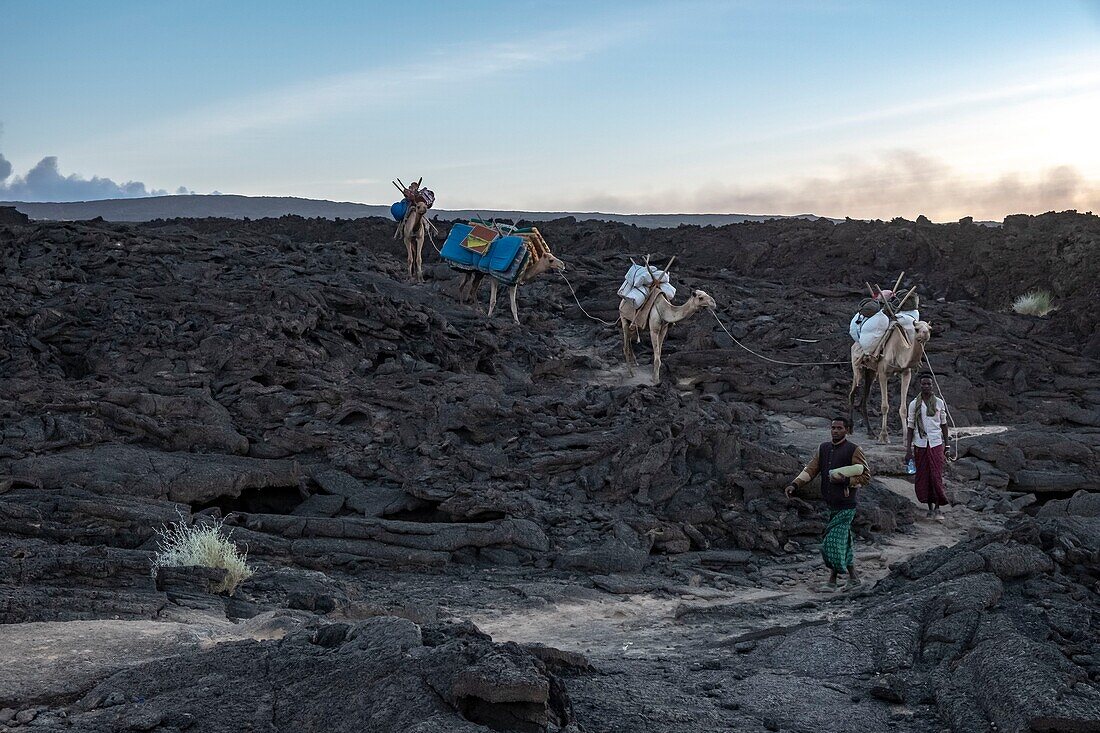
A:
(867, 331)
(636, 284)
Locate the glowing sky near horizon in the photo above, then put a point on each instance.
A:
(863, 109)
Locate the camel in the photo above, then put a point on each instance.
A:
(662, 315)
(897, 357)
(414, 227)
(470, 283)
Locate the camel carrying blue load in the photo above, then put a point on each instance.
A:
(500, 251)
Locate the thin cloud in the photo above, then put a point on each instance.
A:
(1056, 87)
(899, 183)
(377, 87)
(1061, 80)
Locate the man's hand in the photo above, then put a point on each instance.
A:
(847, 492)
(789, 490)
(908, 453)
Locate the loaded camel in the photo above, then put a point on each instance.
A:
(471, 280)
(898, 356)
(662, 314)
(414, 227)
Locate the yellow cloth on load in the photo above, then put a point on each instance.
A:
(480, 238)
(476, 244)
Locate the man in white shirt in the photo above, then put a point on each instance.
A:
(925, 442)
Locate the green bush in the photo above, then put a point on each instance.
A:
(187, 545)
(1034, 303)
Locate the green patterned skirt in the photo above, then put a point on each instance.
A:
(836, 548)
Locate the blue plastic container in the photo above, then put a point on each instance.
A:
(397, 211)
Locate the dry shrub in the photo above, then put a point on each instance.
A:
(187, 545)
(1034, 303)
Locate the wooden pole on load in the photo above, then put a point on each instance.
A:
(668, 267)
(898, 282)
(653, 284)
(907, 296)
(894, 318)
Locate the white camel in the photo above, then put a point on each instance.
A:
(662, 315)
(899, 356)
(414, 227)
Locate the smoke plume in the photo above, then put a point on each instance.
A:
(45, 182)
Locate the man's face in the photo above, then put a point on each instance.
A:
(926, 386)
(838, 430)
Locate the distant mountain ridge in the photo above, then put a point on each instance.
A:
(232, 206)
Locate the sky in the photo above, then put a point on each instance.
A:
(861, 109)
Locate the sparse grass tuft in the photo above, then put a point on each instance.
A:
(186, 545)
(1034, 303)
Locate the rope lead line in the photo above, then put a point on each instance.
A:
(578, 302)
(950, 417)
(746, 348)
(765, 358)
(935, 381)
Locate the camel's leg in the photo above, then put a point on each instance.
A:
(903, 409)
(475, 289)
(864, 398)
(420, 256)
(883, 385)
(628, 353)
(515, 308)
(856, 374)
(492, 296)
(471, 283)
(409, 253)
(656, 338)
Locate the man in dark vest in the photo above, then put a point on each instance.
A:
(843, 469)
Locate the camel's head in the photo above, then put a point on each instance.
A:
(924, 331)
(421, 208)
(702, 300)
(555, 263)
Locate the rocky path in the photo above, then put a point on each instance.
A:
(647, 636)
(597, 622)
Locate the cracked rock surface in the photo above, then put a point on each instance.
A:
(395, 462)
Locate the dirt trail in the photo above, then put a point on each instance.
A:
(659, 623)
